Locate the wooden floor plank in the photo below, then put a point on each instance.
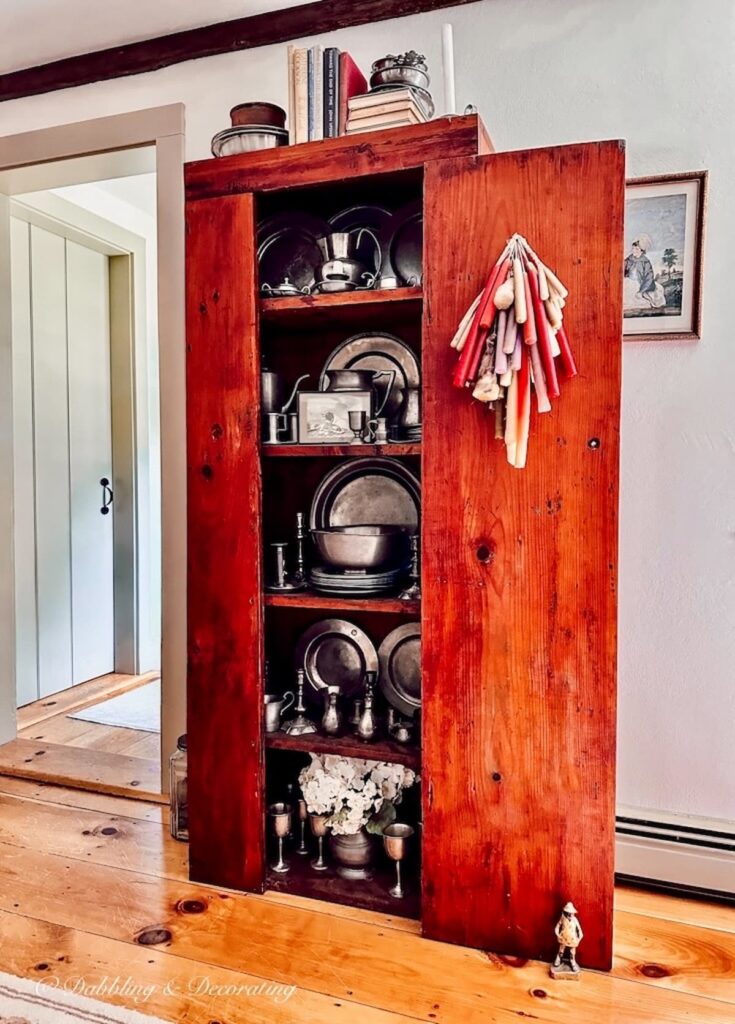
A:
(81, 696)
(167, 987)
(699, 961)
(344, 959)
(144, 846)
(116, 739)
(96, 836)
(673, 908)
(112, 773)
(49, 793)
(62, 730)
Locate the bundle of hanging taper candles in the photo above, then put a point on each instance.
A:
(509, 339)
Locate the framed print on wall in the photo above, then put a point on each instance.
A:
(664, 241)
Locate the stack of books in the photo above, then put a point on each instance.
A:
(321, 81)
(389, 108)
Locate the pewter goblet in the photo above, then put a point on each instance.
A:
(395, 838)
(319, 829)
(358, 422)
(280, 815)
(302, 848)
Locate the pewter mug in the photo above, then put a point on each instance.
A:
(377, 430)
(410, 414)
(275, 704)
(274, 423)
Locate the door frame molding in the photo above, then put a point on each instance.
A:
(42, 151)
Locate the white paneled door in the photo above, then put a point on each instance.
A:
(63, 449)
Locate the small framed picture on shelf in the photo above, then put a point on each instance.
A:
(662, 269)
(324, 416)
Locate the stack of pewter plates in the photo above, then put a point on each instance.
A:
(355, 582)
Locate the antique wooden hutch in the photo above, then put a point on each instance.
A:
(519, 568)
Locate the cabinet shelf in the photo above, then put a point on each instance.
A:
(276, 451)
(346, 746)
(304, 599)
(338, 307)
(369, 894)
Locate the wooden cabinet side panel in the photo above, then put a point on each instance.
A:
(520, 572)
(224, 529)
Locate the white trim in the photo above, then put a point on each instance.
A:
(676, 848)
(7, 554)
(688, 866)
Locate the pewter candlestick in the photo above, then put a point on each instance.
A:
(299, 577)
(303, 815)
(282, 581)
(299, 725)
(413, 593)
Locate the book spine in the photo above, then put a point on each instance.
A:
(331, 82)
(342, 101)
(301, 127)
(291, 96)
(310, 93)
(318, 64)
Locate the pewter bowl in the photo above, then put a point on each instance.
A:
(400, 75)
(362, 547)
(241, 139)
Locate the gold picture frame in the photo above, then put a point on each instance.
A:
(662, 287)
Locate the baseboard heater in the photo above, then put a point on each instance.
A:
(684, 855)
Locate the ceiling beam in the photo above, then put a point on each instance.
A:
(225, 37)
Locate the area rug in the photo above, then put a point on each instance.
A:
(25, 1001)
(137, 709)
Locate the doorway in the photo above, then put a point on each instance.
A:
(87, 476)
(87, 551)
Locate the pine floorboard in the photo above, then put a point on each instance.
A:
(53, 747)
(83, 876)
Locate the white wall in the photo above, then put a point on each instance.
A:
(543, 72)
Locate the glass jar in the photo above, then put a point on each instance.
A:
(179, 800)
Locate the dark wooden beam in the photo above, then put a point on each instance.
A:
(224, 37)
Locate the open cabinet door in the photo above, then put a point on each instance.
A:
(519, 612)
(224, 508)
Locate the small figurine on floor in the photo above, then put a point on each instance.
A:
(569, 935)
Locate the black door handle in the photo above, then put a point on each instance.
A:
(107, 495)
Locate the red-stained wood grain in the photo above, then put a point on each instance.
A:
(311, 163)
(520, 571)
(226, 791)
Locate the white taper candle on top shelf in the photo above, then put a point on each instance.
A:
(450, 100)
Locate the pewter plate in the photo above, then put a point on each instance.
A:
(400, 668)
(334, 652)
(374, 492)
(375, 350)
(287, 248)
(355, 583)
(406, 246)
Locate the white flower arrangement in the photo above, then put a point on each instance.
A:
(353, 792)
